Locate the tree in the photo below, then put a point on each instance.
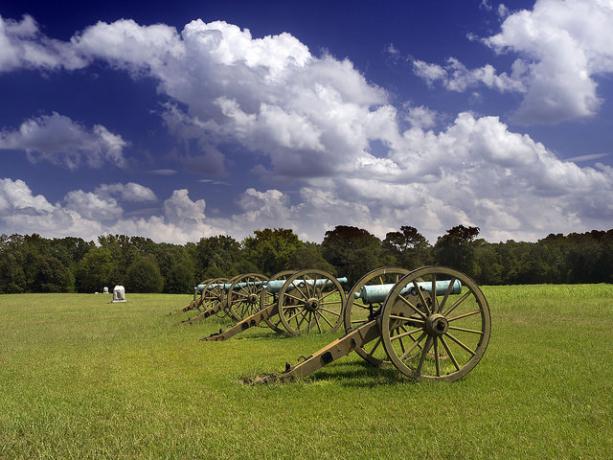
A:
(96, 270)
(455, 249)
(143, 275)
(218, 256)
(54, 276)
(409, 248)
(488, 269)
(179, 278)
(309, 256)
(271, 250)
(353, 251)
(12, 277)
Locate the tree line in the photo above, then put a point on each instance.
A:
(31, 263)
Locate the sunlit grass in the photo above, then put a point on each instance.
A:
(83, 378)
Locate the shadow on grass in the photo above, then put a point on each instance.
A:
(358, 375)
(351, 375)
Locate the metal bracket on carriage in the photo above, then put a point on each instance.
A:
(214, 336)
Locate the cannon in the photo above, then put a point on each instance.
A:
(433, 324)
(195, 303)
(212, 299)
(307, 300)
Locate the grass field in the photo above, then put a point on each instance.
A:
(81, 378)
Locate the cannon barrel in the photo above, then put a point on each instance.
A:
(271, 286)
(276, 285)
(378, 292)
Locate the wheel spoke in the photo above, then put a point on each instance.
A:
(433, 296)
(448, 350)
(417, 310)
(294, 297)
(457, 303)
(465, 315)
(327, 294)
(404, 334)
(436, 358)
(412, 347)
(422, 358)
(330, 311)
(304, 297)
(407, 319)
(317, 322)
(460, 343)
(303, 318)
(326, 320)
(421, 296)
(463, 329)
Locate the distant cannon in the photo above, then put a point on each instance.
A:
(307, 300)
(419, 326)
(211, 300)
(197, 300)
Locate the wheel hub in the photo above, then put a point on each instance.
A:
(436, 325)
(311, 304)
(253, 298)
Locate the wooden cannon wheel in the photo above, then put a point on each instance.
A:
(311, 299)
(356, 312)
(441, 338)
(243, 295)
(268, 298)
(214, 293)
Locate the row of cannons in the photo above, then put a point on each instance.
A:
(432, 323)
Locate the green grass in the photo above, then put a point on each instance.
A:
(81, 378)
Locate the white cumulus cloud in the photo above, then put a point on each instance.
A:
(88, 215)
(60, 140)
(561, 48)
(317, 119)
(130, 192)
(22, 45)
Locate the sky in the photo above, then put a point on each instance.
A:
(177, 121)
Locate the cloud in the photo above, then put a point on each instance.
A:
(130, 192)
(88, 215)
(92, 206)
(59, 140)
(306, 114)
(455, 76)
(16, 196)
(561, 48)
(23, 46)
(163, 172)
(351, 160)
(422, 117)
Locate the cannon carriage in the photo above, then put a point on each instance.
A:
(295, 303)
(432, 323)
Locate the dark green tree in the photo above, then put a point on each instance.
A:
(353, 251)
(218, 256)
(408, 247)
(12, 277)
(309, 256)
(54, 276)
(143, 275)
(455, 249)
(179, 277)
(271, 250)
(95, 271)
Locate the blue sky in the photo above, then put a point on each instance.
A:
(223, 117)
